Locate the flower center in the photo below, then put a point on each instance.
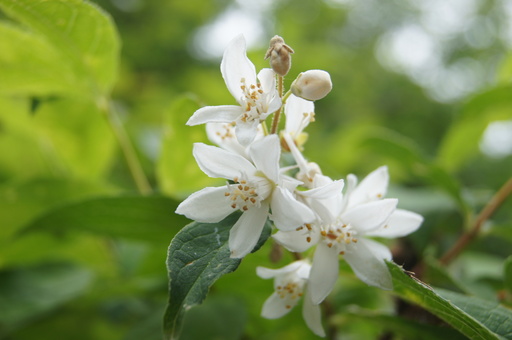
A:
(226, 132)
(290, 292)
(243, 195)
(338, 235)
(253, 105)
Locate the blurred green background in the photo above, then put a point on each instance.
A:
(422, 86)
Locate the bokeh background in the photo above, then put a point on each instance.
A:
(422, 86)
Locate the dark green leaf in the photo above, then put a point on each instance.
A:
(197, 257)
(26, 293)
(133, 217)
(489, 313)
(417, 292)
(507, 274)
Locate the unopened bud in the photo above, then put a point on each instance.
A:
(279, 54)
(312, 85)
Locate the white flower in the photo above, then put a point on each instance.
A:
(289, 286)
(257, 188)
(223, 134)
(299, 113)
(342, 228)
(256, 100)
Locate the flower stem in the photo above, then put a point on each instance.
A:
(126, 146)
(491, 207)
(277, 114)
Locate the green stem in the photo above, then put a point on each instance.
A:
(486, 213)
(126, 146)
(277, 114)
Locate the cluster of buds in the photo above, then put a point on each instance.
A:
(308, 209)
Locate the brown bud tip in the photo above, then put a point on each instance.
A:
(280, 55)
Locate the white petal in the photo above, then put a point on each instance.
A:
(371, 188)
(370, 216)
(223, 134)
(312, 316)
(247, 230)
(265, 155)
(268, 273)
(324, 272)
(296, 241)
(274, 307)
(267, 79)
(294, 109)
(215, 114)
(288, 213)
(273, 105)
(206, 205)
(235, 65)
(326, 191)
(401, 223)
(219, 163)
(246, 132)
(367, 261)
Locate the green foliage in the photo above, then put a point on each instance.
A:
(463, 313)
(79, 247)
(198, 256)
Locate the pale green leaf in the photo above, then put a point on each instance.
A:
(83, 34)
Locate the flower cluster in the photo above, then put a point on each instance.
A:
(308, 209)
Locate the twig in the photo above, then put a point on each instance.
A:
(491, 207)
(127, 149)
(277, 114)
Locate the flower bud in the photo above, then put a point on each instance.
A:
(279, 54)
(312, 85)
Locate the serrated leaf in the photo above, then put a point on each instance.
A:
(133, 217)
(489, 313)
(417, 292)
(83, 34)
(198, 256)
(461, 141)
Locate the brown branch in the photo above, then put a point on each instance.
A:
(491, 207)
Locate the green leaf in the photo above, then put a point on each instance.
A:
(29, 292)
(417, 292)
(405, 152)
(402, 327)
(84, 35)
(461, 141)
(507, 274)
(177, 170)
(198, 256)
(29, 64)
(489, 313)
(133, 217)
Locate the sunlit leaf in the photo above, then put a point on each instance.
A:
(134, 217)
(417, 292)
(197, 257)
(177, 170)
(83, 34)
(30, 65)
